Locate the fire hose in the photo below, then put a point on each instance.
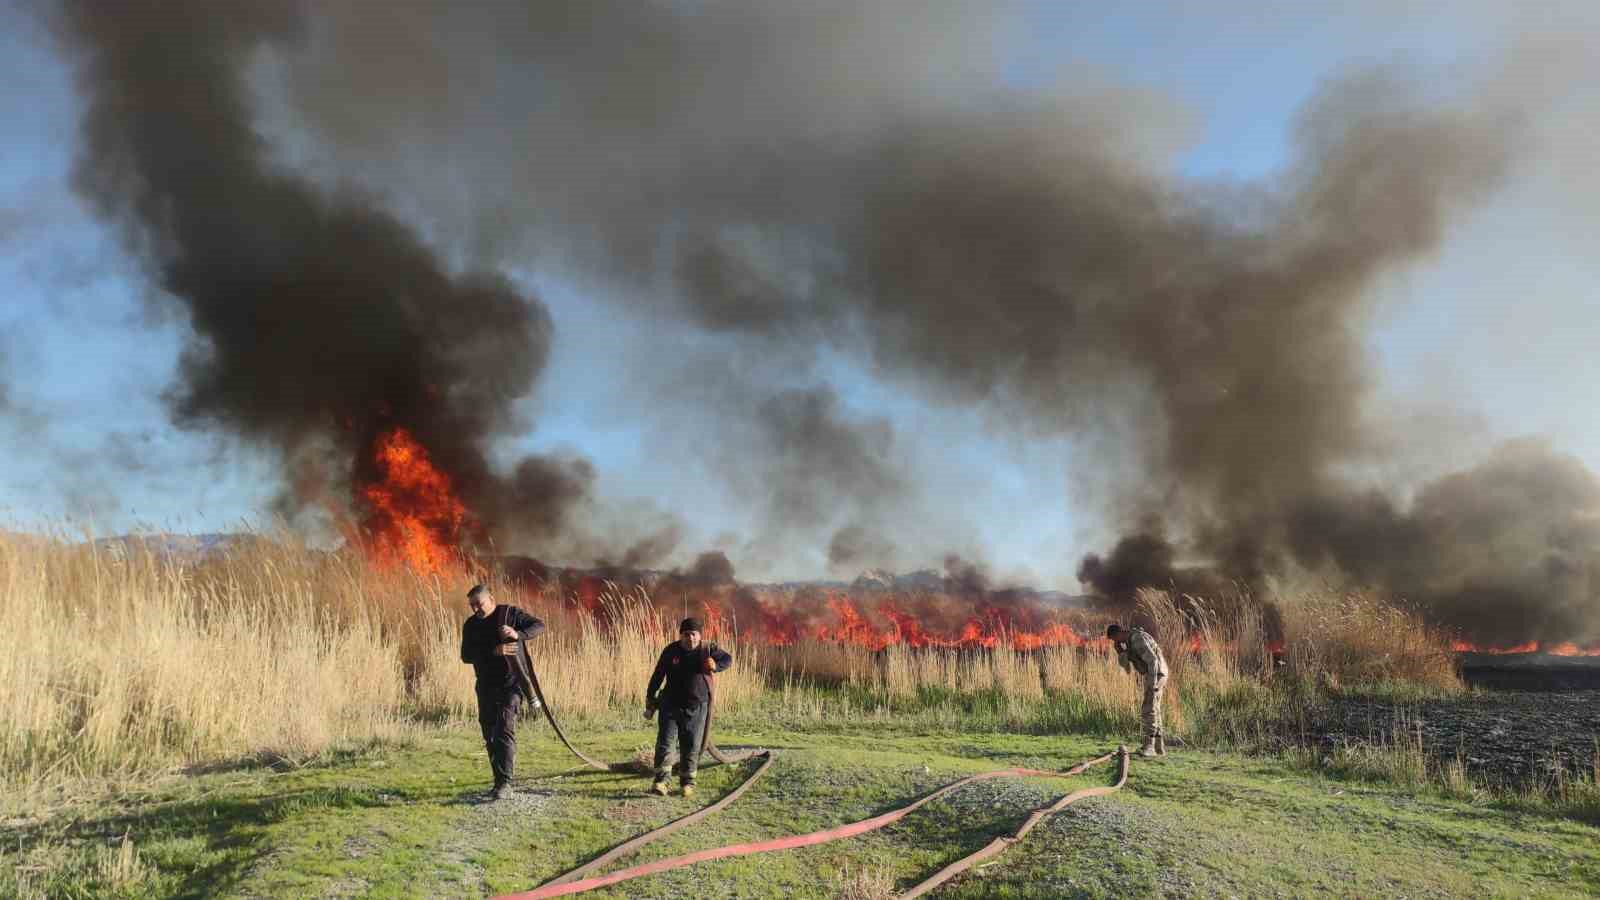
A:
(580, 879)
(1001, 844)
(575, 882)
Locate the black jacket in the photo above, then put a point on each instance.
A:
(479, 637)
(684, 674)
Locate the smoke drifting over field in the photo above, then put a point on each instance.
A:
(787, 176)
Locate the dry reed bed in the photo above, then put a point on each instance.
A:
(117, 663)
(121, 663)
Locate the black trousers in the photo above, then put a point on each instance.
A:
(686, 728)
(497, 718)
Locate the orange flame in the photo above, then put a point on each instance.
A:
(413, 514)
(991, 628)
(874, 622)
(1565, 648)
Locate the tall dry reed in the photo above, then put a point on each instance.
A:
(120, 659)
(116, 662)
(1350, 640)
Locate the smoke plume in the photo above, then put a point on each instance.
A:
(321, 322)
(827, 174)
(1508, 547)
(1013, 250)
(819, 463)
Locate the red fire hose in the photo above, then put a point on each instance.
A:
(579, 880)
(1000, 844)
(566, 884)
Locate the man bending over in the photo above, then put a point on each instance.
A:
(1137, 650)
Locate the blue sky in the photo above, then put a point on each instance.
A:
(1494, 338)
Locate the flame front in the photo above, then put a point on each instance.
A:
(1563, 648)
(988, 628)
(413, 516)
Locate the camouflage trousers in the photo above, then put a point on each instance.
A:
(1150, 712)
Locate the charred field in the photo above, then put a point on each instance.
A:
(1527, 720)
(1533, 672)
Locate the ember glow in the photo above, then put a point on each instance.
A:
(413, 516)
(1564, 648)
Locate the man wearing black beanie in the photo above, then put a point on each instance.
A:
(680, 688)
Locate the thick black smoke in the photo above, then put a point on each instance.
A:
(846, 175)
(320, 321)
(1507, 549)
(1005, 249)
(1504, 552)
(711, 567)
(1147, 559)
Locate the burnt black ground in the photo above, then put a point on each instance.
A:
(1509, 736)
(1530, 672)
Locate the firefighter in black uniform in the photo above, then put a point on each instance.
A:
(491, 641)
(680, 688)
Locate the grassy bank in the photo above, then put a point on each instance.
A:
(405, 821)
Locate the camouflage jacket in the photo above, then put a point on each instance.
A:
(1141, 652)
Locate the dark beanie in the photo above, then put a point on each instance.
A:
(1112, 629)
(690, 624)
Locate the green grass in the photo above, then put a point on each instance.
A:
(401, 822)
(849, 707)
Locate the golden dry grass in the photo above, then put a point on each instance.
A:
(118, 663)
(122, 661)
(862, 883)
(1357, 639)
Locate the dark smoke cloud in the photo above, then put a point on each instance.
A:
(653, 548)
(817, 476)
(824, 173)
(712, 567)
(1015, 251)
(319, 320)
(817, 461)
(1503, 552)
(855, 547)
(1508, 547)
